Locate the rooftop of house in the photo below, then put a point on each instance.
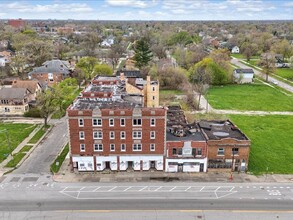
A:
(178, 129)
(217, 130)
(129, 73)
(53, 66)
(13, 93)
(243, 71)
(31, 85)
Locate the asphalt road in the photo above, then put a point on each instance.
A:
(44, 154)
(38, 197)
(257, 72)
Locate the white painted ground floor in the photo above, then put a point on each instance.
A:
(141, 162)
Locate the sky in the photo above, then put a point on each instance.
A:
(148, 9)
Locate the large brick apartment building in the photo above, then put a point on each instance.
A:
(116, 123)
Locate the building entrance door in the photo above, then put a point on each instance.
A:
(180, 167)
(130, 165)
(108, 165)
(201, 166)
(153, 164)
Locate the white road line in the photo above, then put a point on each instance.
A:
(173, 188)
(81, 188)
(96, 189)
(281, 187)
(127, 188)
(254, 187)
(158, 188)
(266, 198)
(187, 188)
(112, 188)
(233, 187)
(143, 188)
(288, 187)
(201, 189)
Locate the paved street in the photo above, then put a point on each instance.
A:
(257, 72)
(45, 153)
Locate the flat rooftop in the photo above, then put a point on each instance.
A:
(217, 130)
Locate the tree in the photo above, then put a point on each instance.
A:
(181, 38)
(45, 101)
(159, 50)
(283, 47)
(103, 69)
(143, 54)
(115, 53)
(60, 49)
(268, 64)
(172, 78)
(18, 65)
(37, 52)
(79, 75)
(248, 49)
(87, 65)
(90, 43)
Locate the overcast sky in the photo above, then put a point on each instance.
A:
(148, 9)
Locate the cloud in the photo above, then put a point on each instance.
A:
(288, 4)
(48, 8)
(132, 3)
(250, 5)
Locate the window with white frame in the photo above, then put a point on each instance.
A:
(80, 122)
(97, 122)
(153, 134)
(81, 135)
(112, 135)
(136, 147)
(98, 135)
(153, 122)
(221, 151)
(199, 151)
(136, 122)
(111, 122)
(122, 135)
(152, 147)
(82, 147)
(98, 147)
(122, 122)
(112, 147)
(123, 147)
(136, 134)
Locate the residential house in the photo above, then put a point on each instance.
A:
(14, 101)
(235, 49)
(243, 75)
(32, 85)
(108, 42)
(51, 72)
(186, 148)
(5, 57)
(228, 147)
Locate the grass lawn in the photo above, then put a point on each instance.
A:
(60, 159)
(253, 97)
(26, 148)
(272, 142)
(16, 159)
(38, 135)
(171, 92)
(17, 133)
(241, 56)
(286, 73)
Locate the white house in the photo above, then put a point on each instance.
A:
(2, 61)
(243, 75)
(235, 49)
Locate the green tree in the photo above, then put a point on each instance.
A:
(143, 54)
(18, 65)
(268, 64)
(45, 102)
(103, 69)
(87, 65)
(181, 38)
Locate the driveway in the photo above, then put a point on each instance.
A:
(257, 72)
(44, 154)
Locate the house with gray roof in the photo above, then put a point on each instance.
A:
(14, 101)
(51, 72)
(243, 75)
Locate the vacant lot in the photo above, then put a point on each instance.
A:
(254, 97)
(272, 142)
(17, 133)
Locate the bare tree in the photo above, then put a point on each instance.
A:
(268, 64)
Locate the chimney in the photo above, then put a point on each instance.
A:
(148, 79)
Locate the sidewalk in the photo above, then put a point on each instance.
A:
(65, 175)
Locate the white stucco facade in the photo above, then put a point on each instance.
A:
(185, 165)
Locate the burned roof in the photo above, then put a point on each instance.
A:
(243, 71)
(178, 129)
(217, 130)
